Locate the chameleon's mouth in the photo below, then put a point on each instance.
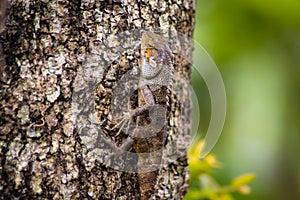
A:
(150, 71)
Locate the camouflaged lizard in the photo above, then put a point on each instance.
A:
(155, 83)
(156, 80)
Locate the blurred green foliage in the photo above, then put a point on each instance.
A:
(204, 186)
(256, 46)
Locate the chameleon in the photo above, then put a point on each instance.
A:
(155, 84)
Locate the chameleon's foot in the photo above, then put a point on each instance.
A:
(126, 120)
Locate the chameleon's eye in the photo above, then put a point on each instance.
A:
(148, 54)
(151, 64)
(151, 55)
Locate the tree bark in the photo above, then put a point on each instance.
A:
(47, 45)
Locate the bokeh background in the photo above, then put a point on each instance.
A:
(256, 46)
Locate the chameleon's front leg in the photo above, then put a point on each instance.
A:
(147, 96)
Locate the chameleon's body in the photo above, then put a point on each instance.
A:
(156, 78)
(157, 72)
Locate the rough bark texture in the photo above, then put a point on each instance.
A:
(45, 46)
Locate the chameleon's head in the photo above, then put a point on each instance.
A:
(155, 54)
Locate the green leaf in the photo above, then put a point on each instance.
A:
(242, 180)
(208, 182)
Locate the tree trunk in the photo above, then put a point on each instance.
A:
(60, 63)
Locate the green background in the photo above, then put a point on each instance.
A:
(256, 46)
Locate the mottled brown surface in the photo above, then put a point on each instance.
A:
(45, 45)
